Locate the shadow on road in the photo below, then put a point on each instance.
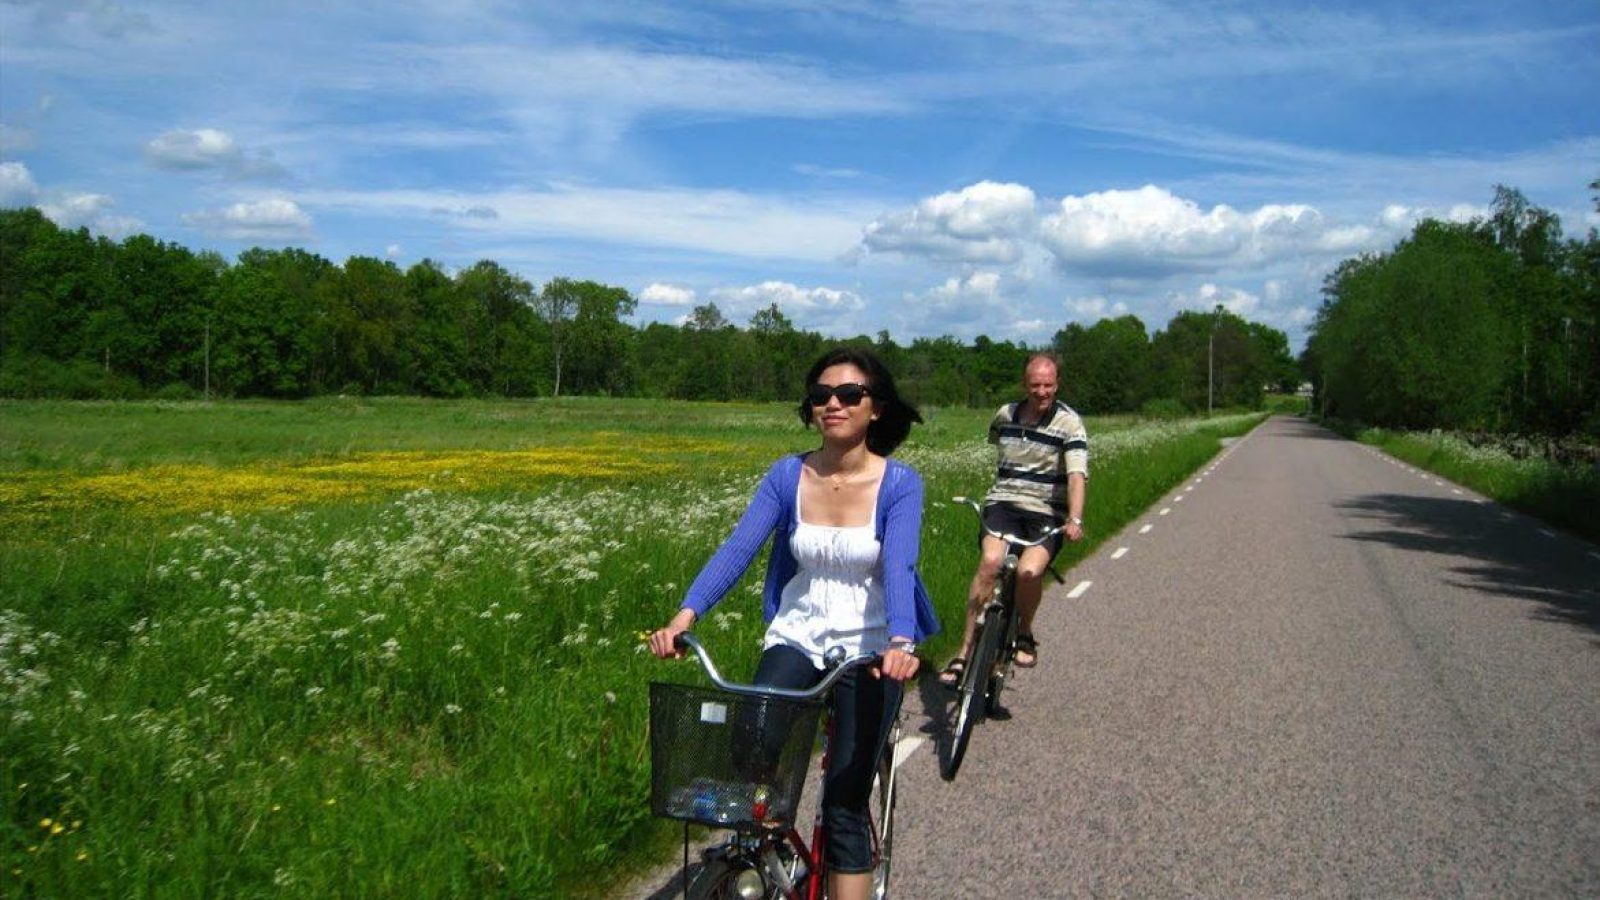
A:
(1509, 557)
(1297, 427)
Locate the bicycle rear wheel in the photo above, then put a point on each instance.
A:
(974, 691)
(884, 792)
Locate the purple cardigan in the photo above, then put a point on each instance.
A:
(773, 509)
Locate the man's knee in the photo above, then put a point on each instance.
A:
(1029, 575)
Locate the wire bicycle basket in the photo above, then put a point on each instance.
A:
(728, 760)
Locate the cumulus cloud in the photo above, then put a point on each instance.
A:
(1129, 236)
(982, 223)
(1095, 308)
(206, 148)
(202, 148)
(17, 187)
(1209, 296)
(67, 209)
(88, 210)
(965, 305)
(1153, 230)
(272, 219)
(792, 299)
(666, 295)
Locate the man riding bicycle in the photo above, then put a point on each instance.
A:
(1039, 483)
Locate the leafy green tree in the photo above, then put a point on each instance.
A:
(601, 344)
(1104, 367)
(506, 341)
(267, 329)
(438, 348)
(557, 303)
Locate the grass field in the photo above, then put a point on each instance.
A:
(391, 648)
(1567, 496)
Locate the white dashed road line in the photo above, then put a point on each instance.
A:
(1146, 529)
(1165, 510)
(1077, 592)
(1120, 553)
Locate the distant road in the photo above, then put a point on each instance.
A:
(1310, 671)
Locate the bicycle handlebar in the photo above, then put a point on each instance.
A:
(1008, 538)
(686, 640)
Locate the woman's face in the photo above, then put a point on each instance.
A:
(837, 421)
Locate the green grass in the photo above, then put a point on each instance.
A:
(1565, 496)
(431, 688)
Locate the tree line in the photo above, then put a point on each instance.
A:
(1489, 325)
(84, 316)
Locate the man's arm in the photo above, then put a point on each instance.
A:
(1076, 487)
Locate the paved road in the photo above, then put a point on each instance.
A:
(1311, 672)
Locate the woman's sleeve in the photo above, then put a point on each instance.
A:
(902, 537)
(729, 563)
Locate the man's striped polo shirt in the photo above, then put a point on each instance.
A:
(1035, 460)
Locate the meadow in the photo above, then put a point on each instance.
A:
(392, 647)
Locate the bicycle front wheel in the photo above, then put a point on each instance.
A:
(1005, 650)
(974, 690)
(728, 876)
(884, 791)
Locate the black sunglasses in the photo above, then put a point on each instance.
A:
(850, 394)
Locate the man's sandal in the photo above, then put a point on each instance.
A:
(953, 670)
(1025, 644)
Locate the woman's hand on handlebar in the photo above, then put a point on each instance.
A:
(897, 664)
(663, 643)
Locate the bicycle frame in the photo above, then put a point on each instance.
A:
(760, 848)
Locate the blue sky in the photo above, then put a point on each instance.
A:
(944, 167)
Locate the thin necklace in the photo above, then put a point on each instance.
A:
(841, 478)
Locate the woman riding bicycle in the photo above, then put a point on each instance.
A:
(842, 573)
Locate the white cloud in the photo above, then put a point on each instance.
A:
(1152, 230)
(791, 299)
(1094, 309)
(984, 223)
(391, 252)
(207, 148)
(201, 148)
(66, 209)
(1209, 296)
(667, 295)
(17, 187)
(272, 219)
(968, 306)
(718, 221)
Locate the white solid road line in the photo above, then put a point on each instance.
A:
(906, 746)
(1077, 592)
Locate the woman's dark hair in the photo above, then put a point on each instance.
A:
(895, 416)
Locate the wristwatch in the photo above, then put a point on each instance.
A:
(1074, 520)
(904, 646)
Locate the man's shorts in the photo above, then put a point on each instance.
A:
(1008, 519)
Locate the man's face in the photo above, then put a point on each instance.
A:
(1040, 383)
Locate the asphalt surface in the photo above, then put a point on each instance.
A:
(1310, 671)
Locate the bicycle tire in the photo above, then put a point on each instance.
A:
(974, 690)
(885, 790)
(1005, 648)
